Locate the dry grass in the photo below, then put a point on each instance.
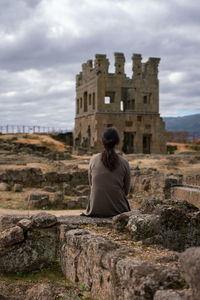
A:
(181, 147)
(36, 139)
(169, 164)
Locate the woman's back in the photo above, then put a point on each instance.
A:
(108, 188)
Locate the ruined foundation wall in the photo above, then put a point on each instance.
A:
(105, 268)
(149, 183)
(187, 193)
(192, 180)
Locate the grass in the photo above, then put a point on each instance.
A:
(52, 274)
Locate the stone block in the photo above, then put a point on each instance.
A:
(4, 187)
(26, 176)
(67, 189)
(18, 188)
(81, 220)
(173, 223)
(50, 189)
(120, 221)
(140, 280)
(11, 236)
(38, 200)
(171, 295)
(9, 221)
(142, 226)
(37, 251)
(190, 261)
(58, 197)
(190, 194)
(44, 220)
(25, 224)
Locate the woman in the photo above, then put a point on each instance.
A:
(109, 178)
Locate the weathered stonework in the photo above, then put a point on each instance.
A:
(150, 183)
(188, 193)
(131, 105)
(97, 263)
(106, 268)
(30, 245)
(171, 223)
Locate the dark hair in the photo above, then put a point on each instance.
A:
(109, 157)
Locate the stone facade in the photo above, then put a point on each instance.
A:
(131, 105)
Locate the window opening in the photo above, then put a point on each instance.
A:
(147, 144)
(128, 142)
(122, 105)
(111, 96)
(107, 100)
(93, 101)
(77, 106)
(133, 104)
(85, 101)
(145, 99)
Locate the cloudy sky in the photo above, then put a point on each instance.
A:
(44, 43)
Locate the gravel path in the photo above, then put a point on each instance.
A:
(32, 212)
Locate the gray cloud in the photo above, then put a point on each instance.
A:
(44, 43)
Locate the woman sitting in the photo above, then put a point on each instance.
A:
(109, 178)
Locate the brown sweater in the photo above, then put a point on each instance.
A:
(108, 188)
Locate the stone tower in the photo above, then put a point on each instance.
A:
(131, 105)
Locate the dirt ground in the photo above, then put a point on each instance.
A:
(186, 164)
(57, 213)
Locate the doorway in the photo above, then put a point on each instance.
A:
(147, 143)
(128, 144)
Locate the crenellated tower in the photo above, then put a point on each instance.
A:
(131, 105)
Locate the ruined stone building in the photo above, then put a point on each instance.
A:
(131, 105)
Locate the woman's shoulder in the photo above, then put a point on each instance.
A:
(95, 157)
(123, 160)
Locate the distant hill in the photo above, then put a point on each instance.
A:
(189, 123)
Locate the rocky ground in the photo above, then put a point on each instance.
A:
(38, 174)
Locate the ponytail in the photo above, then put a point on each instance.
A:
(109, 157)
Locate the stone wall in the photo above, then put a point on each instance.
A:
(149, 183)
(188, 193)
(192, 180)
(33, 177)
(102, 266)
(29, 244)
(97, 263)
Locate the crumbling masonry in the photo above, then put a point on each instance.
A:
(131, 105)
